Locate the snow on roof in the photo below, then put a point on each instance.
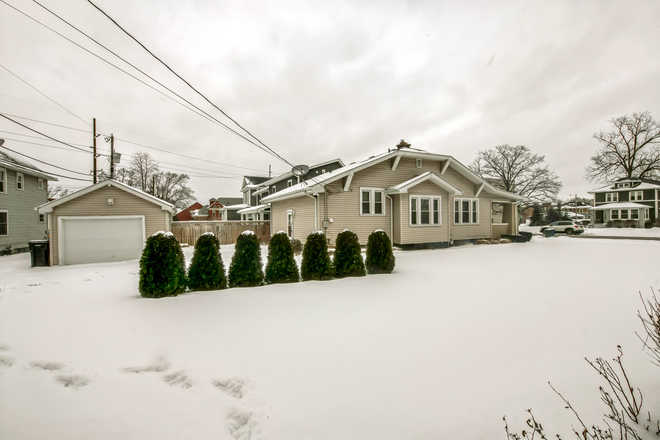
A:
(624, 205)
(611, 188)
(253, 209)
(9, 161)
(234, 207)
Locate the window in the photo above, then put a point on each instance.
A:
(20, 181)
(612, 197)
(372, 201)
(418, 163)
(273, 189)
(614, 214)
(3, 181)
(624, 214)
(289, 223)
(266, 215)
(42, 218)
(636, 195)
(289, 183)
(40, 184)
(246, 196)
(466, 211)
(425, 210)
(634, 214)
(646, 214)
(4, 223)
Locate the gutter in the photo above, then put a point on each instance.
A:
(391, 220)
(316, 211)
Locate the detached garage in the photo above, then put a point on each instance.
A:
(105, 222)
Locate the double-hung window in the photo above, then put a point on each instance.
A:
(636, 195)
(614, 214)
(3, 181)
(20, 181)
(624, 214)
(466, 211)
(425, 211)
(634, 214)
(372, 201)
(4, 223)
(40, 183)
(612, 197)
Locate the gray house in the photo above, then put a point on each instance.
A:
(23, 187)
(626, 202)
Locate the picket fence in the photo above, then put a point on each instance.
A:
(226, 231)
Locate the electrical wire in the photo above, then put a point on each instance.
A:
(33, 103)
(47, 123)
(44, 145)
(44, 95)
(44, 135)
(189, 85)
(37, 137)
(49, 173)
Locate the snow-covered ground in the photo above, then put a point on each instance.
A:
(442, 348)
(607, 232)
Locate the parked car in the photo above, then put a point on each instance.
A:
(565, 226)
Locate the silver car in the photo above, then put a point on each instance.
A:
(565, 226)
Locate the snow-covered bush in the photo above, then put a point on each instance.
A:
(281, 266)
(245, 269)
(207, 271)
(162, 267)
(348, 256)
(316, 263)
(380, 258)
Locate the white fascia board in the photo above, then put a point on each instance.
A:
(260, 191)
(403, 187)
(479, 190)
(396, 162)
(27, 170)
(349, 179)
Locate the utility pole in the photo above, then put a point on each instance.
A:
(112, 156)
(269, 171)
(94, 139)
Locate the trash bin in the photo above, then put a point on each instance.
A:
(550, 232)
(39, 252)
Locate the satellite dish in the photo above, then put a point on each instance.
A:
(300, 170)
(2, 141)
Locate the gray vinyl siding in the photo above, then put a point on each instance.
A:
(600, 197)
(624, 195)
(303, 219)
(95, 203)
(23, 219)
(649, 194)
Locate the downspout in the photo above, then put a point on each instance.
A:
(450, 218)
(391, 219)
(316, 210)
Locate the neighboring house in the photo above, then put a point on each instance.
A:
(626, 201)
(251, 207)
(22, 187)
(222, 208)
(185, 215)
(257, 210)
(107, 221)
(419, 199)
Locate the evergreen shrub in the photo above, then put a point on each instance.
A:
(537, 218)
(527, 235)
(281, 266)
(648, 225)
(380, 258)
(348, 260)
(246, 269)
(207, 272)
(316, 263)
(162, 267)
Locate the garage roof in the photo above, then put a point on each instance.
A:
(48, 207)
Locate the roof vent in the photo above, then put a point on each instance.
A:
(403, 144)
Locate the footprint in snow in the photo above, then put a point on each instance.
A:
(4, 347)
(6, 361)
(47, 366)
(178, 379)
(233, 387)
(239, 424)
(72, 381)
(155, 368)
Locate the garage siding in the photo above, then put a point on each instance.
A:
(95, 203)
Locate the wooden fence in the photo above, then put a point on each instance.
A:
(226, 231)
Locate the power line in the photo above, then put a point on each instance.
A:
(33, 103)
(47, 123)
(189, 85)
(44, 145)
(36, 137)
(45, 135)
(58, 175)
(44, 95)
(207, 117)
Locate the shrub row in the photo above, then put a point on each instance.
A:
(162, 266)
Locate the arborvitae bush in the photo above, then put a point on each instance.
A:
(316, 263)
(245, 269)
(207, 272)
(281, 266)
(162, 267)
(348, 260)
(380, 258)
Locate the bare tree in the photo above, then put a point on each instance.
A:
(517, 170)
(143, 168)
(56, 192)
(631, 149)
(173, 188)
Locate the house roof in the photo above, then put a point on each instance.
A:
(251, 209)
(316, 184)
(48, 207)
(252, 182)
(623, 205)
(641, 186)
(9, 161)
(227, 201)
(403, 187)
(290, 174)
(235, 207)
(191, 208)
(203, 211)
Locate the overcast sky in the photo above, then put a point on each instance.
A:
(318, 80)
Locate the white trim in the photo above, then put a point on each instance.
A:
(40, 183)
(471, 211)
(403, 187)
(39, 218)
(290, 214)
(60, 236)
(632, 198)
(444, 168)
(289, 183)
(396, 162)
(3, 180)
(372, 201)
(349, 179)
(6, 212)
(614, 196)
(418, 216)
(20, 183)
(479, 190)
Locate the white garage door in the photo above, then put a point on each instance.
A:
(100, 239)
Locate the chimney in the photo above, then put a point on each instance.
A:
(403, 144)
